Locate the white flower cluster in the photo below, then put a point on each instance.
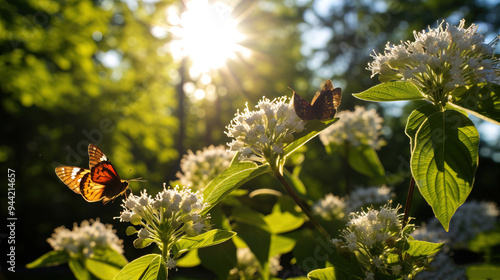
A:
(262, 134)
(86, 238)
(441, 58)
(360, 127)
(470, 219)
(199, 168)
(331, 207)
(249, 268)
(368, 196)
(372, 236)
(172, 214)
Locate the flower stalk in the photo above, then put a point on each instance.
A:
(301, 205)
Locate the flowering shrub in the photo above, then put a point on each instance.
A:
(446, 65)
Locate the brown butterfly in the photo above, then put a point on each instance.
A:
(323, 106)
(100, 182)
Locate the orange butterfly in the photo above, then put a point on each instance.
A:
(100, 182)
(323, 106)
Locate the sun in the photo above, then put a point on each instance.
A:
(206, 34)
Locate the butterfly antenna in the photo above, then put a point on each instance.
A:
(136, 179)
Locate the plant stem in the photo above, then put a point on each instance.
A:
(408, 201)
(301, 205)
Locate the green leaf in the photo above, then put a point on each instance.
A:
(77, 266)
(191, 259)
(415, 120)
(248, 216)
(423, 248)
(220, 258)
(258, 240)
(281, 244)
(50, 259)
(312, 129)
(205, 239)
(230, 179)
(444, 161)
(391, 91)
(481, 100)
(481, 272)
(485, 241)
(148, 267)
(284, 217)
(106, 263)
(328, 273)
(294, 180)
(364, 159)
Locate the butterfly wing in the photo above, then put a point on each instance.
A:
(324, 104)
(95, 155)
(72, 176)
(105, 183)
(302, 108)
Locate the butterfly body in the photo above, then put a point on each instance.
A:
(323, 106)
(100, 182)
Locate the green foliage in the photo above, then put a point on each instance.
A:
(230, 179)
(148, 267)
(391, 91)
(104, 263)
(481, 100)
(205, 239)
(364, 159)
(49, 259)
(324, 274)
(444, 161)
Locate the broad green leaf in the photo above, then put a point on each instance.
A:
(205, 239)
(284, 217)
(484, 271)
(444, 161)
(281, 244)
(328, 273)
(79, 271)
(312, 129)
(482, 100)
(248, 216)
(364, 159)
(220, 258)
(415, 120)
(391, 91)
(50, 259)
(191, 259)
(145, 267)
(310, 244)
(423, 248)
(230, 179)
(105, 264)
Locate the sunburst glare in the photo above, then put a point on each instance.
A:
(206, 34)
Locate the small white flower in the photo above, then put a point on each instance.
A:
(266, 131)
(171, 263)
(357, 128)
(369, 275)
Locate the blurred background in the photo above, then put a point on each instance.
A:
(148, 80)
